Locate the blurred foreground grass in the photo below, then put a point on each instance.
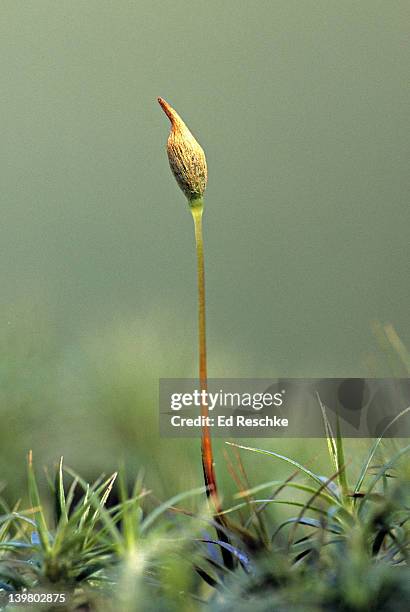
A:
(338, 551)
(95, 401)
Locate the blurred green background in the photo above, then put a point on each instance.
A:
(302, 109)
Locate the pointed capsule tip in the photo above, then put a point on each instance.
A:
(168, 110)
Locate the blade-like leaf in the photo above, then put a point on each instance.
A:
(373, 449)
(380, 475)
(309, 522)
(300, 467)
(239, 554)
(35, 501)
(147, 522)
(61, 506)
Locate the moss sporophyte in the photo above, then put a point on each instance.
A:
(188, 164)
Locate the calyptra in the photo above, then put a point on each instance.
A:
(186, 157)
